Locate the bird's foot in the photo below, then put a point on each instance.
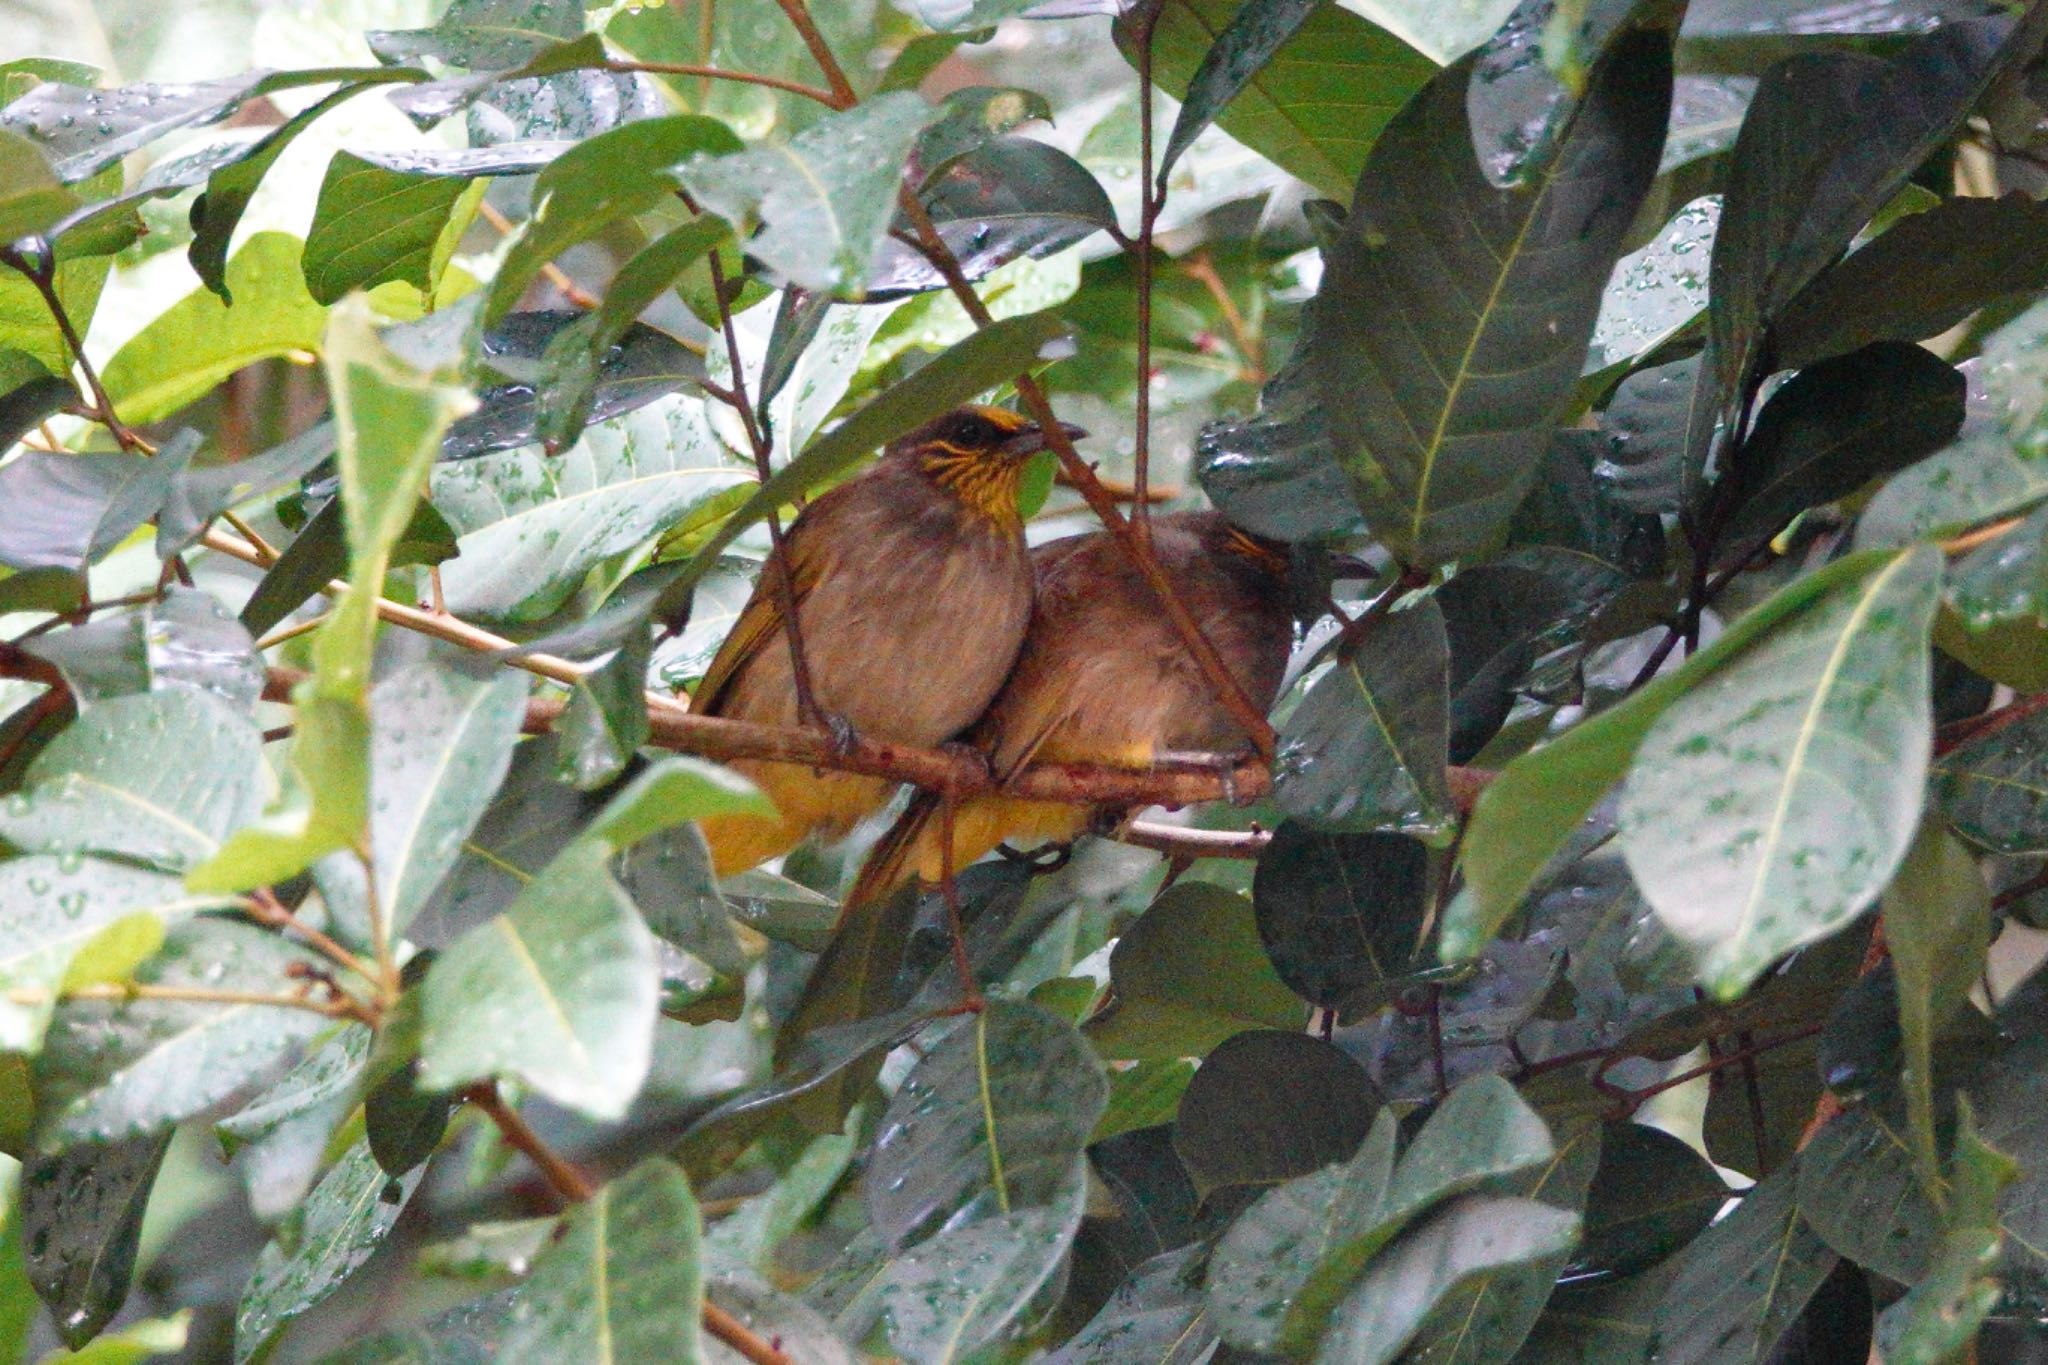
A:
(838, 730)
(974, 772)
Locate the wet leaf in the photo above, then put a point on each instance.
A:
(993, 1119)
(118, 1069)
(1656, 292)
(280, 1138)
(1656, 434)
(1189, 974)
(1341, 915)
(1156, 1317)
(69, 511)
(825, 198)
(1439, 441)
(1774, 799)
(1366, 748)
(560, 991)
(327, 1239)
(624, 1282)
(1743, 1283)
(81, 1224)
(1994, 789)
(1649, 1198)
(374, 224)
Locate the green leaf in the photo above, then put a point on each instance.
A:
(67, 511)
(598, 182)
(1440, 399)
(623, 1283)
(375, 223)
(1286, 1263)
(1937, 1320)
(1476, 1235)
(1155, 1317)
(327, 1239)
(1341, 915)
(1835, 426)
(1657, 293)
(1937, 918)
(1526, 815)
(1366, 748)
(1651, 1195)
(1995, 466)
(133, 1344)
(955, 376)
(1921, 276)
(81, 1223)
(1994, 788)
(34, 197)
(159, 777)
(74, 920)
(218, 210)
(1267, 1106)
(389, 422)
(1309, 86)
(1770, 803)
(199, 341)
(1655, 435)
(560, 991)
(993, 1119)
(532, 525)
(673, 791)
(1744, 1282)
(113, 1070)
(970, 1285)
(1189, 974)
(823, 199)
(280, 1138)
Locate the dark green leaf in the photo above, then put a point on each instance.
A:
(1268, 1106)
(1189, 974)
(1994, 788)
(114, 1070)
(182, 640)
(1341, 915)
(326, 1240)
(1922, 276)
(374, 224)
(68, 511)
(1309, 86)
(218, 211)
(81, 1221)
(1366, 747)
(1741, 1285)
(1156, 1317)
(1770, 804)
(1656, 433)
(23, 407)
(1834, 427)
(280, 1139)
(1650, 1197)
(993, 1118)
(203, 492)
(1439, 419)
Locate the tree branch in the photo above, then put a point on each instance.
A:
(719, 73)
(42, 273)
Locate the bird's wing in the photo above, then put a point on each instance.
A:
(759, 623)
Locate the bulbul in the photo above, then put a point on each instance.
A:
(1104, 678)
(913, 591)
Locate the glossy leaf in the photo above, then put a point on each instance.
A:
(1366, 748)
(1994, 788)
(560, 991)
(1650, 1197)
(624, 1281)
(374, 224)
(1189, 974)
(1741, 1285)
(160, 777)
(1156, 1317)
(326, 1240)
(114, 1070)
(280, 1139)
(1923, 275)
(81, 1220)
(994, 1117)
(1658, 291)
(1835, 426)
(1309, 86)
(1341, 915)
(1439, 438)
(1656, 434)
(825, 198)
(1527, 814)
(69, 511)
(1773, 800)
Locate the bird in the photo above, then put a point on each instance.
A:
(913, 589)
(1104, 678)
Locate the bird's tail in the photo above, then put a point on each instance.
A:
(914, 846)
(893, 860)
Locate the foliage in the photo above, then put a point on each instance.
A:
(396, 402)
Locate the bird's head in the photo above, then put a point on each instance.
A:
(977, 453)
(1271, 557)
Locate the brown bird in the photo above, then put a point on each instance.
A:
(913, 589)
(1104, 678)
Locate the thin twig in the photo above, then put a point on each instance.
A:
(1122, 492)
(719, 73)
(1149, 199)
(346, 1007)
(551, 272)
(248, 533)
(1202, 270)
(42, 273)
(265, 908)
(821, 53)
(1953, 736)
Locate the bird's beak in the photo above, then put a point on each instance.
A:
(1031, 440)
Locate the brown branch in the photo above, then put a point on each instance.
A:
(265, 908)
(1121, 492)
(1181, 841)
(574, 1186)
(1149, 200)
(551, 272)
(345, 1007)
(719, 73)
(1202, 270)
(42, 273)
(821, 53)
(1953, 736)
